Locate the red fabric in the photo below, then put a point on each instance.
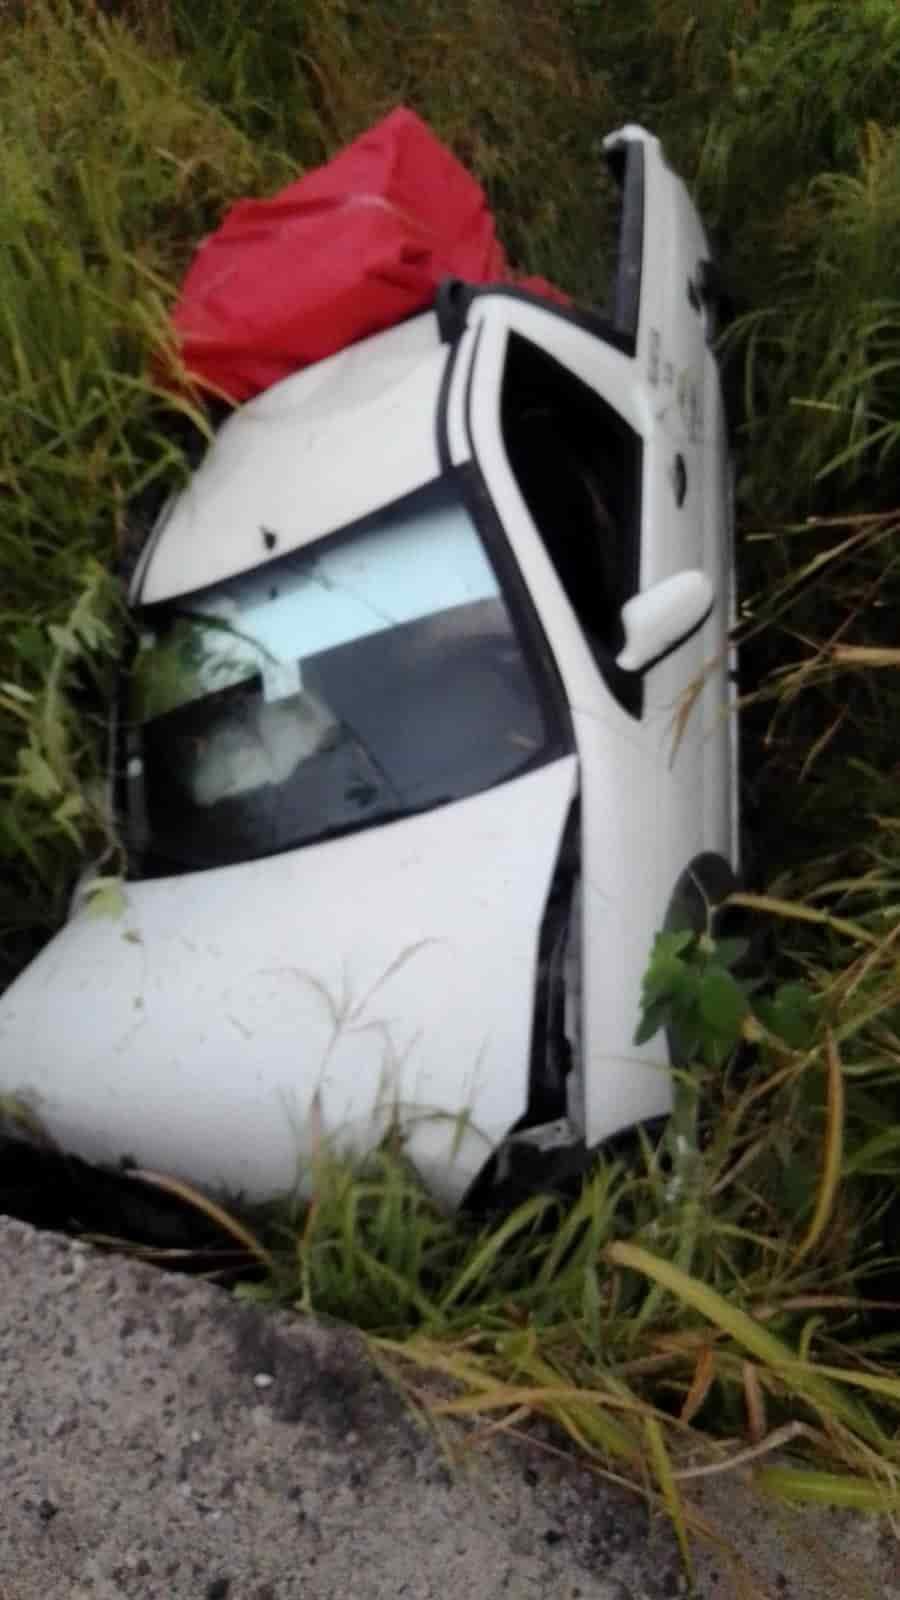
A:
(350, 249)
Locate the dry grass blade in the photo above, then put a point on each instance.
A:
(665, 1477)
(860, 655)
(795, 910)
(832, 1152)
(755, 1402)
(538, 1400)
(778, 1440)
(880, 1384)
(586, 1417)
(209, 1208)
(853, 978)
(809, 1381)
(701, 1383)
(820, 745)
(804, 1486)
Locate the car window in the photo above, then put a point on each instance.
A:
(371, 675)
(578, 468)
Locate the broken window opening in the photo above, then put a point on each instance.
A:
(578, 468)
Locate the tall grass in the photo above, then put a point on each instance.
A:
(644, 1312)
(111, 167)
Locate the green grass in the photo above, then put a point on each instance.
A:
(649, 1320)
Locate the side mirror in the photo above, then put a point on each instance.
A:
(660, 618)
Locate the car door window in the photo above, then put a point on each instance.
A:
(578, 468)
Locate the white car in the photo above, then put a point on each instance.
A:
(426, 730)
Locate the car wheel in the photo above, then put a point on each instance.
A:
(698, 899)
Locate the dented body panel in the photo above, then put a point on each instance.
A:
(390, 970)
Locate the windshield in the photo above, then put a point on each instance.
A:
(367, 677)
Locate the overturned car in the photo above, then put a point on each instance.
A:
(425, 732)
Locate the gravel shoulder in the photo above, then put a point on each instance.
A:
(160, 1439)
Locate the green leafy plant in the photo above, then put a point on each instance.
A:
(690, 989)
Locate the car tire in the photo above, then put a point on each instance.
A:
(703, 887)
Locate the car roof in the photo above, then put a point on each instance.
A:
(306, 457)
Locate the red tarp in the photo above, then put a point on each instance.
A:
(350, 249)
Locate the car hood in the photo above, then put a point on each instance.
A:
(195, 1029)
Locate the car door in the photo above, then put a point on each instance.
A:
(688, 485)
(565, 490)
(616, 517)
